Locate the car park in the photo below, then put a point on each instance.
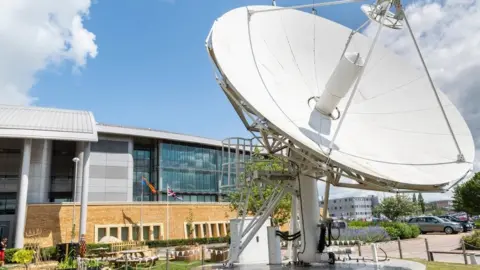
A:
(467, 225)
(429, 224)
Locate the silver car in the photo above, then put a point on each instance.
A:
(434, 224)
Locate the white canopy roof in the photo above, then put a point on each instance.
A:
(47, 123)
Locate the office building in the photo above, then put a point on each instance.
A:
(352, 208)
(41, 186)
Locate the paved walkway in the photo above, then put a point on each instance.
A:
(416, 248)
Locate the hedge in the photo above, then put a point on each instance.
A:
(50, 253)
(184, 242)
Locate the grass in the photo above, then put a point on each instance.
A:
(445, 266)
(177, 265)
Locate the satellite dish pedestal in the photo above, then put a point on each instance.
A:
(309, 218)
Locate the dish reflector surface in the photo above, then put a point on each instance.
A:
(394, 130)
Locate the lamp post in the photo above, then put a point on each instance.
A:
(75, 160)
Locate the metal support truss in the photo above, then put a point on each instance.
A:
(247, 235)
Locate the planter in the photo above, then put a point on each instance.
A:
(218, 254)
(188, 254)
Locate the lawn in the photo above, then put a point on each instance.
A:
(177, 265)
(446, 266)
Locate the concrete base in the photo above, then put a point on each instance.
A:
(388, 265)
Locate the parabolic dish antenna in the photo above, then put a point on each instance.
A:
(292, 71)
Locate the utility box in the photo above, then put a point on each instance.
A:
(257, 250)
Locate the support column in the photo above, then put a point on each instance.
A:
(39, 173)
(327, 196)
(310, 218)
(78, 181)
(292, 245)
(160, 179)
(130, 171)
(22, 194)
(85, 185)
(46, 170)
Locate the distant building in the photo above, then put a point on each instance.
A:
(352, 207)
(443, 204)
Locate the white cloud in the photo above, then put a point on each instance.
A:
(448, 34)
(35, 35)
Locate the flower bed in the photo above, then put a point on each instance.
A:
(350, 236)
(394, 230)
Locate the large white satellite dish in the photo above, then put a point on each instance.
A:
(341, 104)
(395, 132)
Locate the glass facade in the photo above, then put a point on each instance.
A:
(62, 171)
(191, 171)
(8, 203)
(144, 165)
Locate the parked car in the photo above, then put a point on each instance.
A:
(436, 224)
(467, 225)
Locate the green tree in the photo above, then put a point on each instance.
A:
(395, 207)
(466, 197)
(281, 214)
(23, 256)
(421, 203)
(414, 200)
(190, 227)
(438, 212)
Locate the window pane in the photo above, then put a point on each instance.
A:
(156, 232)
(146, 232)
(135, 233)
(124, 233)
(114, 232)
(102, 232)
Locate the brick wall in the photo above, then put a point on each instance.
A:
(50, 224)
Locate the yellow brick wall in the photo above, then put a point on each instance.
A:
(51, 224)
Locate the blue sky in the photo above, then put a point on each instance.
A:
(152, 69)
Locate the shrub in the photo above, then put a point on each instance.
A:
(472, 242)
(415, 231)
(392, 232)
(182, 242)
(98, 245)
(404, 229)
(23, 256)
(9, 254)
(48, 253)
(360, 224)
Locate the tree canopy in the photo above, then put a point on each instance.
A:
(281, 214)
(395, 207)
(421, 203)
(466, 196)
